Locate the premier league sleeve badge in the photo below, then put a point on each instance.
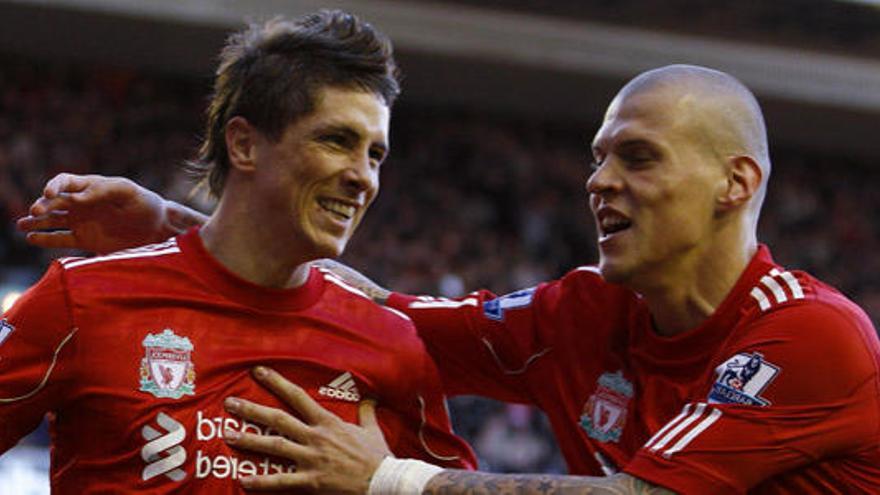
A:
(741, 380)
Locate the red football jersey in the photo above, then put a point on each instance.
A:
(776, 393)
(133, 354)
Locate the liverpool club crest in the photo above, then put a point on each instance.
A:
(604, 414)
(167, 369)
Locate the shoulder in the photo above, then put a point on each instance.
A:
(40, 316)
(794, 301)
(47, 293)
(817, 341)
(146, 267)
(135, 257)
(584, 275)
(585, 286)
(820, 329)
(343, 291)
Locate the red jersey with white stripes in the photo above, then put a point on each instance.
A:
(133, 354)
(776, 393)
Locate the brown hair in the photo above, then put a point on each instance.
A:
(270, 72)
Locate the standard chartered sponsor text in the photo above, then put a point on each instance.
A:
(215, 462)
(230, 466)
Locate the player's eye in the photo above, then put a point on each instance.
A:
(638, 154)
(335, 139)
(377, 155)
(637, 158)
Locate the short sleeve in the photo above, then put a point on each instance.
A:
(34, 335)
(801, 385)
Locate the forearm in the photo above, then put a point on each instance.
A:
(179, 218)
(450, 482)
(353, 277)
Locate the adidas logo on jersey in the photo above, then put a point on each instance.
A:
(342, 388)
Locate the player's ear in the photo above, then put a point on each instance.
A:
(742, 182)
(241, 139)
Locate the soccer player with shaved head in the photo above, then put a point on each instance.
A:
(687, 361)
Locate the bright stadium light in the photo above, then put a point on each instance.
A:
(9, 299)
(8, 296)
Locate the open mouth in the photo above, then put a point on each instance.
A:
(340, 209)
(611, 222)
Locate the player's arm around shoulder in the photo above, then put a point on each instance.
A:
(103, 214)
(354, 278)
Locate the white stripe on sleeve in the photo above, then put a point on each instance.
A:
(774, 286)
(684, 412)
(698, 411)
(700, 428)
(759, 296)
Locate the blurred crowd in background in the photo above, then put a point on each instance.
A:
(845, 26)
(467, 201)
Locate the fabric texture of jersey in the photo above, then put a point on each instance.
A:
(134, 353)
(776, 393)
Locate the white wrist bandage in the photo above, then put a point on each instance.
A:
(401, 477)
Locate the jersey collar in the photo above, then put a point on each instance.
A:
(695, 345)
(239, 290)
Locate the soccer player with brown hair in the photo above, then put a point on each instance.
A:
(138, 354)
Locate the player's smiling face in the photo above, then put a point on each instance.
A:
(652, 192)
(323, 173)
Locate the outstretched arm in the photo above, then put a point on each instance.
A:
(102, 214)
(332, 455)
